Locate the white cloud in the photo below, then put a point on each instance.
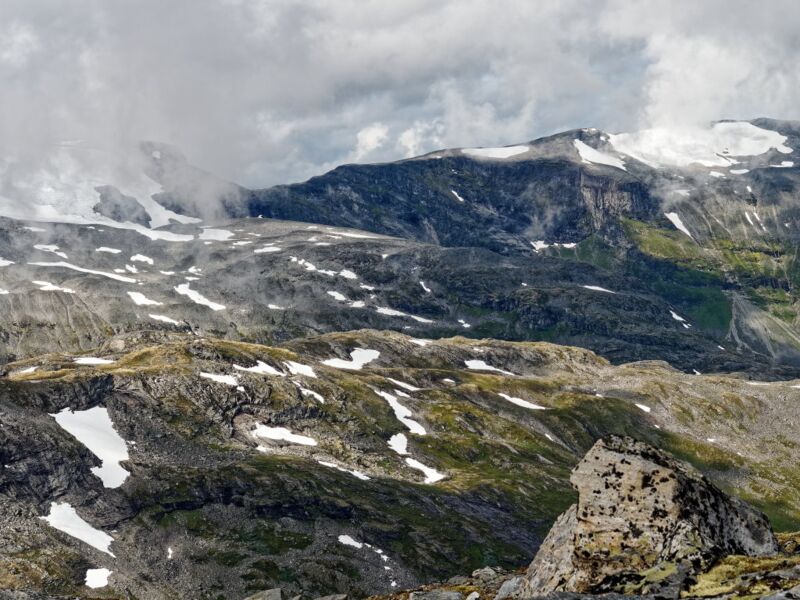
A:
(370, 139)
(270, 91)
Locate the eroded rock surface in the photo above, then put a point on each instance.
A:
(643, 521)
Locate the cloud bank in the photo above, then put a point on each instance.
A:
(271, 91)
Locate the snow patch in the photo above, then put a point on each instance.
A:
(196, 297)
(296, 368)
(92, 360)
(402, 413)
(64, 518)
(140, 299)
(66, 265)
(46, 286)
(479, 365)
(399, 443)
(164, 319)
(230, 380)
(431, 474)
(358, 358)
(94, 429)
(97, 578)
(497, 153)
(282, 434)
(142, 258)
(521, 402)
(354, 473)
(710, 146)
(349, 541)
(594, 156)
(676, 220)
(391, 312)
(260, 368)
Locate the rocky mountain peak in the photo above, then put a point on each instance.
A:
(643, 521)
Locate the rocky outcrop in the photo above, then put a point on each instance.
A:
(643, 521)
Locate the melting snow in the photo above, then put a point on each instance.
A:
(66, 265)
(307, 392)
(142, 258)
(784, 165)
(431, 474)
(347, 274)
(299, 369)
(679, 318)
(419, 341)
(140, 299)
(46, 286)
(94, 429)
(539, 245)
(521, 402)
(64, 518)
(643, 407)
(594, 156)
(425, 287)
(5, 263)
(597, 288)
(230, 380)
(459, 198)
(266, 249)
(260, 368)
(97, 578)
(479, 365)
(108, 250)
(402, 413)
(348, 541)
(50, 248)
(404, 385)
(91, 360)
(164, 319)
(358, 358)
(391, 312)
(716, 174)
(676, 220)
(356, 474)
(338, 296)
(196, 297)
(505, 152)
(283, 435)
(711, 147)
(399, 443)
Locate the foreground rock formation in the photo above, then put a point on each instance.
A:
(645, 526)
(643, 520)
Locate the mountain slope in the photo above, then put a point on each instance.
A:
(215, 502)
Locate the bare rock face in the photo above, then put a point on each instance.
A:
(643, 521)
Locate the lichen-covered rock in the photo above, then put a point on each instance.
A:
(643, 520)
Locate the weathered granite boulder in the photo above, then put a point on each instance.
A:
(643, 521)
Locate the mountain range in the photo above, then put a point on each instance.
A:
(384, 375)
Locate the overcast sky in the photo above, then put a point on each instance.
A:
(273, 91)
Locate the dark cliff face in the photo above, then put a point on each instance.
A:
(459, 201)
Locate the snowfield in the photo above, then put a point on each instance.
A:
(94, 429)
(714, 146)
(596, 157)
(496, 153)
(64, 518)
